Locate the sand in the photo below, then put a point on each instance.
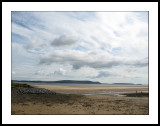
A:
(75, 103)
(91, 89)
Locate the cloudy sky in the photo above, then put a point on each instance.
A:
(110, 47)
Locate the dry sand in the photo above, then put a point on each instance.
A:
(73, 104)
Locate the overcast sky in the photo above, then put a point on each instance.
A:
(110, 47)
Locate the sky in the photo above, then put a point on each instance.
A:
(109, 47)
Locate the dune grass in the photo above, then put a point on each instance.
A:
(20, 85)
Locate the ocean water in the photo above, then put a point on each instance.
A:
(72, 84)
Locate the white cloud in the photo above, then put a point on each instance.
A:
(92, 41)
(35, 42)
(62, 71)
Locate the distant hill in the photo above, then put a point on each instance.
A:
(61, 81)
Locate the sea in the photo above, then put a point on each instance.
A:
(75, 84)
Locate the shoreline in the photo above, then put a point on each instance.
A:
(94, 90)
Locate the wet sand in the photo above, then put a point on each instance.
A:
(75, 103)
(111, 90)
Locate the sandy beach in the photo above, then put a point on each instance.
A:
(69, 100)
(92, 89)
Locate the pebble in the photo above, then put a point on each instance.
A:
(34, 91)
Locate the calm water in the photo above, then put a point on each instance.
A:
(72, 84)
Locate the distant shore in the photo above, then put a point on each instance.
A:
(76, 82)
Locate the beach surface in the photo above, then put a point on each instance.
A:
(94, 90)
(82, 100)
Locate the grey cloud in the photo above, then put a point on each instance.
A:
(78, 60)
(139, 63)
(64, 41)
(31, 46)
(46, 61)
(96, 64)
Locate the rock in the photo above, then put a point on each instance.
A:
(34, 91)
